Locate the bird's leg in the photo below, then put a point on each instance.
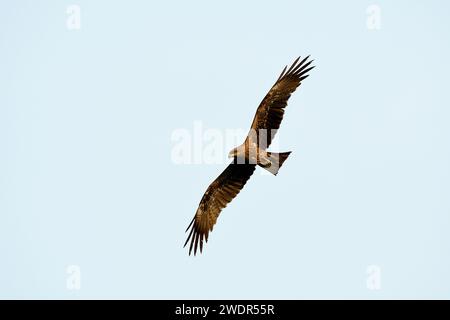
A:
(263, 159)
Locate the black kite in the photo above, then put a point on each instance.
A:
(251, 153)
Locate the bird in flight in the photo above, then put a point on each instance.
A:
(248, 155)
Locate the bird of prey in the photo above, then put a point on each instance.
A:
(248, 155)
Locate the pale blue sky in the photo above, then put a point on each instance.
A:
(86, 176)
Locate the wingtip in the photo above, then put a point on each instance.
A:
(190, 224)
(293, 65)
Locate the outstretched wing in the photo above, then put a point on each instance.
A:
(219, 193)
(271, 110)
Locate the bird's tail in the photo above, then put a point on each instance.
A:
(276, 161)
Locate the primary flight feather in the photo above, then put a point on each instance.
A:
(247, 156)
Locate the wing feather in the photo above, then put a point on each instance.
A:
(219, 193)
(270, 112)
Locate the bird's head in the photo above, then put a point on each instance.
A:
(233, 153)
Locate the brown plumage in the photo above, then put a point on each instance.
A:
(271, 109)
(265, 124)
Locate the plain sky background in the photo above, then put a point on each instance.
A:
(87, 179)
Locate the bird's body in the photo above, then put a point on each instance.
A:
(248, 152)
(252, 152)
